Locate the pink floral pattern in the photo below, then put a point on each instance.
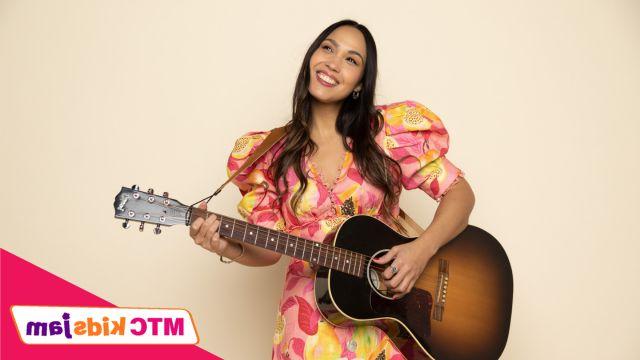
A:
(412, 135)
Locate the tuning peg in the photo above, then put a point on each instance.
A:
(126, 224)
(150, 191)
(135, 187)
(141, 228)
(165, 194)
(156, 230)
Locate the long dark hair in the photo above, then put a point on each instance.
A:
(357, 119)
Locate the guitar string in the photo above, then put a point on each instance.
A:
(310, 245)
(325, 249)
(307, 244)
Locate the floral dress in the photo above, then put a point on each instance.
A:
(412, 135)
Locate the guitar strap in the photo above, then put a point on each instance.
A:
(274, 136)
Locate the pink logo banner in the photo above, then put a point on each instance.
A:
(42, 299)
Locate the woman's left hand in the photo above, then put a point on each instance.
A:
(410, 260)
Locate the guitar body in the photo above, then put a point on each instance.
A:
(459, 308)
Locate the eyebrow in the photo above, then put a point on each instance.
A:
(335, 43)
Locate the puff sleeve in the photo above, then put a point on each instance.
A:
(257, 205)
(416, 138)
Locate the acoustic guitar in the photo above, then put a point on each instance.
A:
(458, 309)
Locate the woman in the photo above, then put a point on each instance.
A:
(341, 156)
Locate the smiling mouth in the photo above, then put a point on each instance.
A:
(325, 79)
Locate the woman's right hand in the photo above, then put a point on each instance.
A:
(205, 232)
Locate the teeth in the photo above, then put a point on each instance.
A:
(326, 78)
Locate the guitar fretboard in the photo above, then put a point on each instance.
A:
(314, 252)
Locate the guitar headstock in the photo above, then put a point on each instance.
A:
(131, 204)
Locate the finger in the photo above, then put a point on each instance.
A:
(386, 257)
(218, 244)
(388, 272)
(213, 229)
(397, 279)
(213, 244)
(411, 285)
(205, 227)
(404, 286)
(398, 290)
(202, 231)
(198, 239)
(195, 227)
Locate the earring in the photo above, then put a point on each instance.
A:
(355, 94)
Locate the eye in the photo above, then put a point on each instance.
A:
(352, 60)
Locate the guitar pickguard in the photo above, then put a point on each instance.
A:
(414, 308)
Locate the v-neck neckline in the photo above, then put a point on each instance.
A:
(322, 179)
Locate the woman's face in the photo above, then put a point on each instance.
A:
(341, 57)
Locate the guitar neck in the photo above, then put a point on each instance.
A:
(314, 252)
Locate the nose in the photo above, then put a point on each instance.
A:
(332, 65)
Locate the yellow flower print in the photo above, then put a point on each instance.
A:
(324, 345)
(366, 339)
(245, 144)
(331, 224)
(413, 120)
(433, 170)
(390, 142)
(308, 199)
(280, 324)
(279, 225)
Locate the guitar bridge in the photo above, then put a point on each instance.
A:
(441, 290)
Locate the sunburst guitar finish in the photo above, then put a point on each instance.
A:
(458, 309)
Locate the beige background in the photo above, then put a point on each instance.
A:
(540, 98)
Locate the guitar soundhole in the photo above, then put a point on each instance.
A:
(375, 277)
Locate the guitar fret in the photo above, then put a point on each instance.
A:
(286, 246)
(222, 227)
(255, 240)
(245, 233)
(233, 228)
(347, 263)
(332, 256)
(325, 256)
(295, 248)
(268, 237)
